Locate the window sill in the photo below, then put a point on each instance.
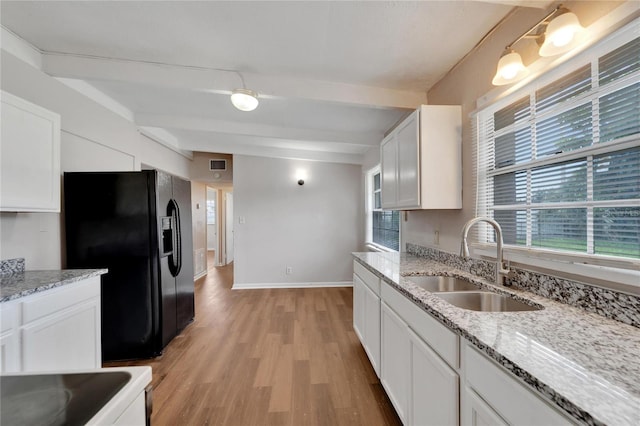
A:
(615, 274)
(379, 248)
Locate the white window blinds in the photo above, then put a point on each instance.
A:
(558, 163)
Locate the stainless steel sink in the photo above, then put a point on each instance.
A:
(437, 283)
(485, 301)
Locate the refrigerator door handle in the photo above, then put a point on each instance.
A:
(175, 258)
(178, 238)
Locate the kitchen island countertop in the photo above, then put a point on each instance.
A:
(586, 364)
(25, 283)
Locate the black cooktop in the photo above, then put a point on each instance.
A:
(57, 399)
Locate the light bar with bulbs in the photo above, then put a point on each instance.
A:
(563, 32)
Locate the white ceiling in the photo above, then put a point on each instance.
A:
(333, 77)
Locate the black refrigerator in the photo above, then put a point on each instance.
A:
(138, 225)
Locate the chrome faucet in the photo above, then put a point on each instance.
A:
(501, 271)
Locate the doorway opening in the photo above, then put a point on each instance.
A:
(219, 229)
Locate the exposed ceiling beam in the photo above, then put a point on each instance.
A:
(223, 147)
(257, 142)
(219, 81)
(256, 129)
(538, 4)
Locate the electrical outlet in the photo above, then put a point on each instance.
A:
(289, 270)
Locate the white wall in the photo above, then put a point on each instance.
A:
(312, 228)
(93, 138)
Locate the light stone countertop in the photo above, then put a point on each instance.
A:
(25, 283)
(588, 365)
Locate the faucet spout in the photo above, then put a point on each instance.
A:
(501, 271)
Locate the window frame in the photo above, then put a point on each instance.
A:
(618, 269)
(370, 208)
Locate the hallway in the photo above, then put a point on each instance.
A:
(267, 357)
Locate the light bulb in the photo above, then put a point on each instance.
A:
(563, 37)
(509, 72)
(563, 33)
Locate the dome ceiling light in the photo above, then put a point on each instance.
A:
(244, 99)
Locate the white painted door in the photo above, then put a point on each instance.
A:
(372, 327)
(476, 412)
(229, 227)
(433, 397)
(9, 341)
(358, 308)
(389, 171)
(408, 192)
(29, 157)
(394, 368)
(65, 340)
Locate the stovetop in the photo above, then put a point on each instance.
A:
(57, 399)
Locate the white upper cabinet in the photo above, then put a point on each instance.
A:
(29, 157)
(421, 161)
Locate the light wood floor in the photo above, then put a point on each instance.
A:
(267, 357)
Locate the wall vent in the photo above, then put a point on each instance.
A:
(217, 165)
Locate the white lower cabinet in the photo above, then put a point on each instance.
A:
(57, 329)
(433, 396)
(395, 372)
(366, 313)
(433, 379)
(493, 394)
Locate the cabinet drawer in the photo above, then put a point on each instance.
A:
(509, 398)
(444, 341)
(369, 278)
(40, 305)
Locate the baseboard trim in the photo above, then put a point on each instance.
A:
(200, 275)
(255, 286)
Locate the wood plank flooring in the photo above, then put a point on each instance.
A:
(267, 357)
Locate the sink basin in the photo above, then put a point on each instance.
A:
(485, 301)
(436, 284)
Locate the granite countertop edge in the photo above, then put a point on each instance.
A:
(22, 284)
(462, 323)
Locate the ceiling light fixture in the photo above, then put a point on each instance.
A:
(562, 33)
(244, 99)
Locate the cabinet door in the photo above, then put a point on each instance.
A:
(358, 307)
(389, 171)
(65, 340)
(395, 356)
(433, 398)
(9, 339)
(476, 412)
(372, 327)
(29, 157)
(408, 192)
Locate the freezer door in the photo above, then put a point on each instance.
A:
(184, 279)
(164, 194)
